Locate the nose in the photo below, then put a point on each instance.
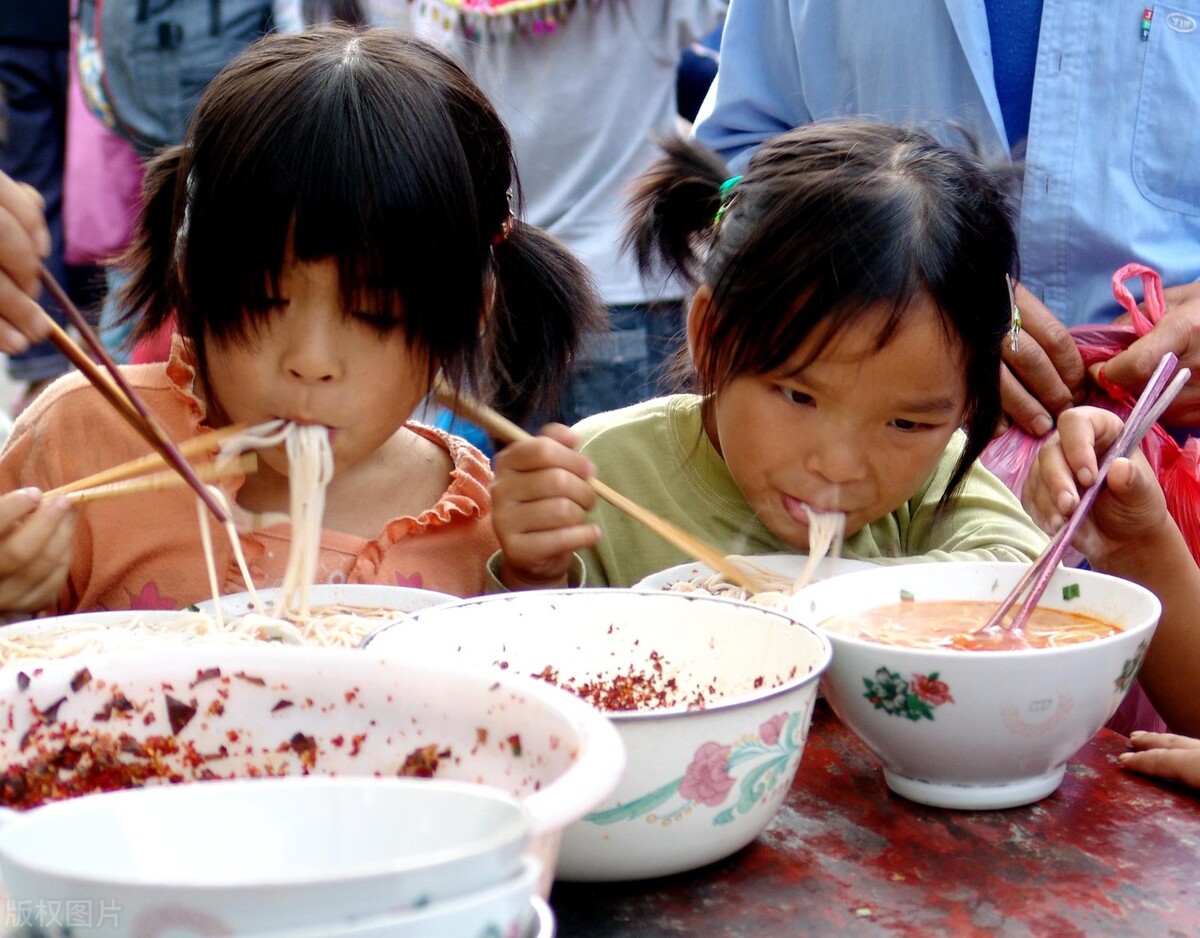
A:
(836, 457)
(310, 352)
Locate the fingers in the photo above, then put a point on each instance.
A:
(540, 499)
(24, 241)
(1045, 374)
(1178, 332)
(35, 549)
(1162, 755)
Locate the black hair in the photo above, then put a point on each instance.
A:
(373, 148)
(830, 220)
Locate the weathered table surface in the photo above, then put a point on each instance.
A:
(1110, 852)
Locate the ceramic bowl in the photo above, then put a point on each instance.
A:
(273, 853)
(368, 599)
(787, 565)
(700, 783)
(978, 729)
(228, 711)
(510, 907)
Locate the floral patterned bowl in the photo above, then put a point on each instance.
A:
(978, 729)
(721, 693)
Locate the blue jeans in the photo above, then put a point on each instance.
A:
(627, 364)
(33, 116)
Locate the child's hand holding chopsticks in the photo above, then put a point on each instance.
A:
(35, 550)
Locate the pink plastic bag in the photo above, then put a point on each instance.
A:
(1010, 456)
(102, 181)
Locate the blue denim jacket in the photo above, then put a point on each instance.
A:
(1113, 154)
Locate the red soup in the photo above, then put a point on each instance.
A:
(959, 624)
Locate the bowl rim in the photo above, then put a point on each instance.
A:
(514, 828)
(592, 775)
(847, 579)
(243, 596)
(820, 666)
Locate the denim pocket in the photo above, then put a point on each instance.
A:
(1166, 145)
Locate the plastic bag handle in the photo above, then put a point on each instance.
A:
(1152, 290)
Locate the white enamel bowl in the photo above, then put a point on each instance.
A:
(375, 598)
(787, 565)
(233, 711)
(700, 783)
(978, 729)
(510, 907)
(272, 854)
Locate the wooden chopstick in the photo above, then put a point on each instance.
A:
(139, 417)
(504, 429)
(136, 467)
(164, 479)
(1151, 405)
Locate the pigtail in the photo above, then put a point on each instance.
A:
(673, 207)
(546, 305)
(155, 290)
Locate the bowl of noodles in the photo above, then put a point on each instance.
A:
(782, 573)
(338, 613)
(103, 721)
(712, 697)
(962, 716)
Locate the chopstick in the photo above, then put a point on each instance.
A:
(1150, 406)
(504, 429)
(165, 479)
(131, 407)
(143, 464)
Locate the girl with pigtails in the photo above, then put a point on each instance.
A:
(336, 229)
(844, 336)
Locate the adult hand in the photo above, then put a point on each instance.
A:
(35, 550)
(1045, 375)
(24, 241)
(1166, 756)
(1178, 331)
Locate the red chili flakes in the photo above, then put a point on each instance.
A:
(118, 703)
(306, 748)
(22, 680)
(81, 679)
(481, 735)
(514, 743)
(350, 696)
(423, 762)
(215, 708)
(634, 690)
(356, 742)
(281, 705)
(758, 682)
(208, 674)
(250, 678)
(179, 713)
(50, 714)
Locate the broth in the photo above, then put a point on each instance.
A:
(957, 624)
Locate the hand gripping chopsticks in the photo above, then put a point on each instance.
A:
(504, 429)
(121, 396)
(1153, 401)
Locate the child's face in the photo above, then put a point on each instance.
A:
(858, 430)
(311, 363)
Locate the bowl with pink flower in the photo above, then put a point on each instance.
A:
(712, 697)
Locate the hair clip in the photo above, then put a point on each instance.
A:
(723, 192)
(505, 230)
(1014, 322)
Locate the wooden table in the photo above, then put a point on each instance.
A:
(1110, 852)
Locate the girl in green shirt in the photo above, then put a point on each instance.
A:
(845, 335)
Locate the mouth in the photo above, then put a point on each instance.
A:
(802, 512)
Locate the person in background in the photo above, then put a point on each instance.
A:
(583, 87)
(323, 262)
(1100, 101)
(1130, 534)
(33, 126)
(845, 331)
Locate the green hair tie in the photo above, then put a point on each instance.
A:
(723, 192)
